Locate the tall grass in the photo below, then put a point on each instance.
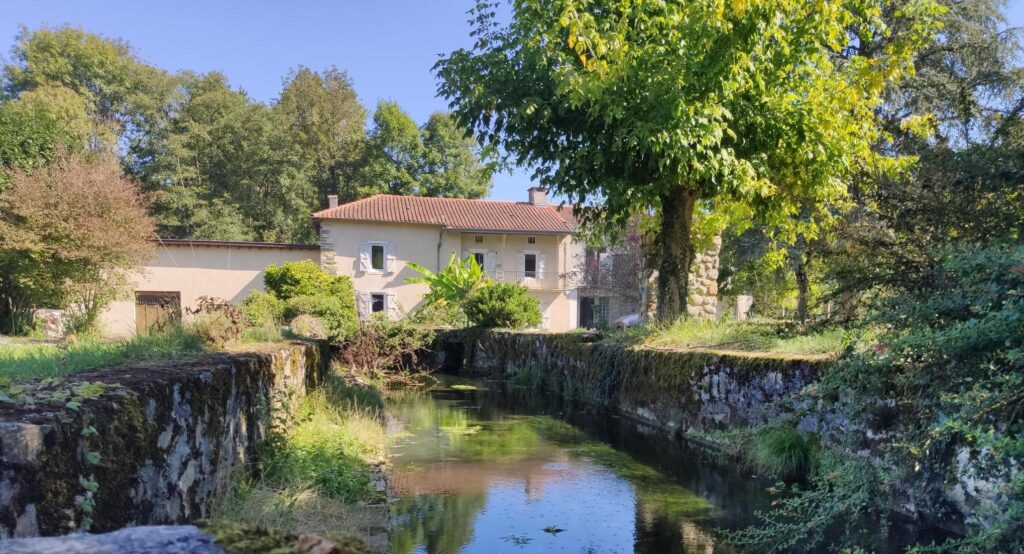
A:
(740, 336)
(22, 362)
(311, 473)
(783, 452)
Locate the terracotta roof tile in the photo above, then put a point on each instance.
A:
(456, 213)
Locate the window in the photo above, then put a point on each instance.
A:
(377, 257)
(479, 257)
(530, 266)
(478, 239)
(377, 302)
(531, 240)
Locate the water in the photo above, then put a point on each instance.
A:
(498, 469)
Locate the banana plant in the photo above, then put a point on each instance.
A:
(451, 285)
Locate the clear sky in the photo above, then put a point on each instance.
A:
(387, 46)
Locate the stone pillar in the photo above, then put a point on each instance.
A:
(702, 301)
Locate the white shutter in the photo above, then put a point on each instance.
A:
(391, 305)
(390, 252)
(490, 259)
(541, 262)
(521, 263)
(465, 254)
(364, 256)
(364, 304)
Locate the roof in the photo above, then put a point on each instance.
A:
(457, 214)
(235, 244)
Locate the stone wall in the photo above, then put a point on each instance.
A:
(153, 444)
(676, 391)
(703, 284)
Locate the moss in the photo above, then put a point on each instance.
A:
(242, 539)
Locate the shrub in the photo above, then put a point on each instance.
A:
(216, 321)
(503, 305)
(783, 452)
(309, 326)
(263, 309)
(305, 278)
(338, 314)
(381, 344)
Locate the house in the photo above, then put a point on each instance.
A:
(373, 240)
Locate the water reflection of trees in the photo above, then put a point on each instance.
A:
(443, 524)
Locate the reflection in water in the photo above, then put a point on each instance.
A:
(501, 471)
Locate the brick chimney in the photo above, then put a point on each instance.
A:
(332, 200)
(538, 196)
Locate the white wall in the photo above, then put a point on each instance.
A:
(228, 272)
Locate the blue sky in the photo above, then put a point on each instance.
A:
(387, 47)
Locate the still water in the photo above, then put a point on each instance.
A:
(483, 467)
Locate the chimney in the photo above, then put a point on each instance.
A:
(332, 200)
(538, 196)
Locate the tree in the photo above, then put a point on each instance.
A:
(669, 105)
(452, 161)
(71, 233)
(124, 95)
(394, 151)
(326, 124)
(451, 285)
(502, 305)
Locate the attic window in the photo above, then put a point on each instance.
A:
(531, 240)
(478, 238)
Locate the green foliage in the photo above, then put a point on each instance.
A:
(784, 452)
(381, 345)
(452, 285)
(678, 105)
(305, 278)
(21, 362)
(337, 314)
(750, 336)
(439, 159)
(28, 138)
(502, 305)
(943, 380)
(263, 309)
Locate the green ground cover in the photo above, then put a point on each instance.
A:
(317, 464)
(22, 360)
(753, 337)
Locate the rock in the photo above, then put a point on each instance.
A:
(174, 539)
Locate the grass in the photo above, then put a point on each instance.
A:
(783, 452)
(736, 336)
(313, 472)
(23, 361)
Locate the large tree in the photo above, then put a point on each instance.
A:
(326, 125)
(667, 105)
(70, 234)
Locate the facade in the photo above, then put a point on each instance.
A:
(184, 270)
(374, 239)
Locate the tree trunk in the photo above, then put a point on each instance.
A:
(803, 285)
(675, 252)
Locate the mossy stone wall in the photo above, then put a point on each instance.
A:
(675, 390)
(155, 445)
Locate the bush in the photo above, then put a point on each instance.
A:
(783, 452)
(338, 314)
(216, 321)
(308, 326)
(503, 305)
(381, 344)
(305, 278)
(263, 309)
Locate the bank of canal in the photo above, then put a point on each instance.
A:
(482, 466)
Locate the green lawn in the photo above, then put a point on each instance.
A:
(23, 360)
(751, 337)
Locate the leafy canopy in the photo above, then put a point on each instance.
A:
(504, 306)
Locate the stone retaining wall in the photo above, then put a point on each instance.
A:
(676, 391)
(154, 446)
